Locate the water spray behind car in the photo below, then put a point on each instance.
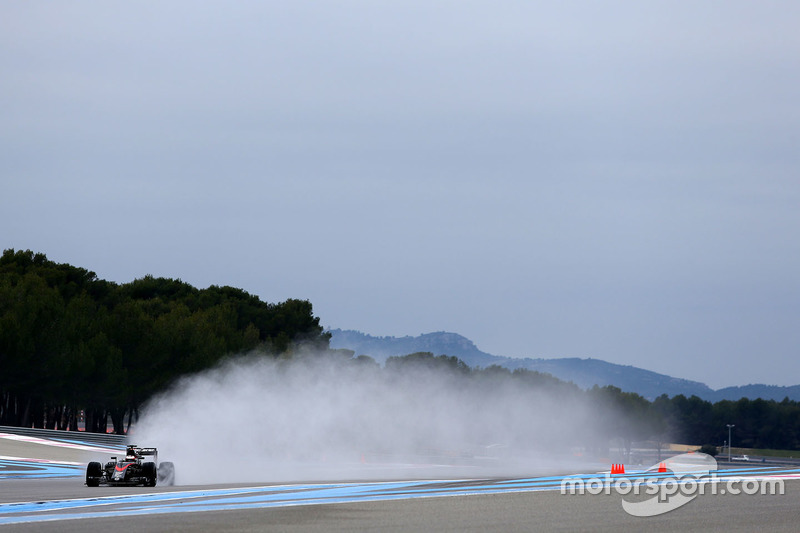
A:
(260, 419)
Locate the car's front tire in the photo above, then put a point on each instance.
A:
(150, 473)
(94, 473)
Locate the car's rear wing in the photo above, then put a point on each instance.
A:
(149, 451)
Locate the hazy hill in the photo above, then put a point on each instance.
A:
(583, 372)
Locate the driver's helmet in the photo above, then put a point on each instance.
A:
(130, 453)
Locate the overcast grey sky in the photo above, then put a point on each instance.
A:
(616, 180)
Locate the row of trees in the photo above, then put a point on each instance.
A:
(629, 417)
(71, 343)
(759, 423)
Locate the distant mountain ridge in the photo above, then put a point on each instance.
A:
(583, 372)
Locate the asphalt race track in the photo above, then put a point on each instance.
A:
(41, 489)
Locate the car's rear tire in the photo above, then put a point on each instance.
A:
(166, 473)
(94, 473)
(150, 473)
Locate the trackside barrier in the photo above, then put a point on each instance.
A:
(84, 436)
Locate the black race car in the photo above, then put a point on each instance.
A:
(133, 469)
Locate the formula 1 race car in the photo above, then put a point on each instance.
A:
(131, 470)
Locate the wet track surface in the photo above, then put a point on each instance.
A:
(45, 494)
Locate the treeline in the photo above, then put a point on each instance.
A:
(71, 343)
(628, 417)
(758, 423)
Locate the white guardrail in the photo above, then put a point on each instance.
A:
(83, 436)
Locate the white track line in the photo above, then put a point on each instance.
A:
(29, 460)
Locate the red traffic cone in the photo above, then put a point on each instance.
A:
(662, 467)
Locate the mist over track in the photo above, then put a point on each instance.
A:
(312, 417)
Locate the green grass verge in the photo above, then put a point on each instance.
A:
(765, 452)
